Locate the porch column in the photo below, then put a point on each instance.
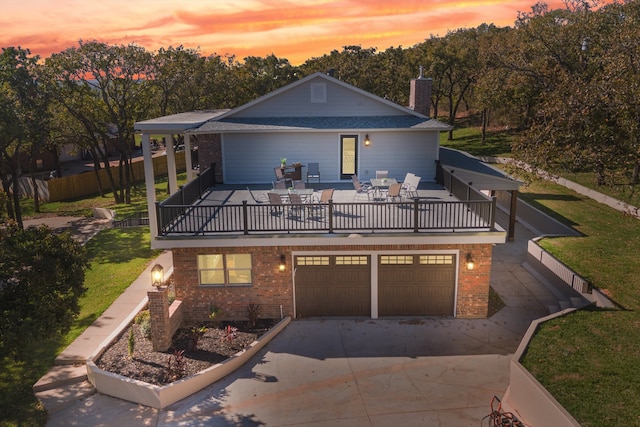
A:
(171, 164)
(149, 180)
(187, 156)
(512, 215)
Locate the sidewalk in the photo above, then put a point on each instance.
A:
(66, 381)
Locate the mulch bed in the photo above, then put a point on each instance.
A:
(215, 344)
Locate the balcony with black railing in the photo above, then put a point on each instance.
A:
(197, 210)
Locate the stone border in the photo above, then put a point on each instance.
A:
(526, 397)
(160, 397)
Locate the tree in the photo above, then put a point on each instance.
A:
(23, 119)
(41, 280)
(258, 76)
(455, 58)
(105, 88)
(584, 117)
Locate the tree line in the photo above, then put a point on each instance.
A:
(567, 79)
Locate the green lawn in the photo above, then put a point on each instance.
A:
(496, 144)
(587, 360)
(117, 257)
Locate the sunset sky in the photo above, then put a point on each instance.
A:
(293, 29)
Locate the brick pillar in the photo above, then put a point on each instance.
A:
(160, 322)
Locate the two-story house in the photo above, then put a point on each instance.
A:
(428, 254)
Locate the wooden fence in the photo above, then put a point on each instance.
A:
(85, 184)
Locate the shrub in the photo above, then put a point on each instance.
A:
(141, 317)
(215, 314)
(196, 334)
(253, 313)
(145, 328)
(176, 367)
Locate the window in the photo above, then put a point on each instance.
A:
(312, 260)
(436, 259)
(396, 259)
(221, 270)
(352, 260)
(318, 93)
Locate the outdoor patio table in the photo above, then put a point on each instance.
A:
(381, 184)
(305, 193)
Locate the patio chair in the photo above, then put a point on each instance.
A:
(313, 171)
(282, 177)
(258, 197)
(296, 203)
(325, 196)
(299, 185)
(362, 189)
(362, 183)
(382, 174)
(276, 203)
(393, 194)
(280, 185)
(410, 185)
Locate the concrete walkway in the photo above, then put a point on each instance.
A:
(338, 372)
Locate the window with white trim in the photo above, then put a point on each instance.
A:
(436, 259)
(312, 260)
(224, 269)
(352, 260)
(396, 259)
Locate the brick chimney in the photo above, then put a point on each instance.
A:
(420, 95)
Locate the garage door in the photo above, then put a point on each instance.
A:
(333, 286)
(416, 285)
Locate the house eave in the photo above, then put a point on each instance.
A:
(356, 239)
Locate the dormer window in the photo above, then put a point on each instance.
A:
(318, 93)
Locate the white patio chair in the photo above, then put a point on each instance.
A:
(410, 185)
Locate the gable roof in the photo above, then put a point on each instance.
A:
(177, 123)
(397, 117)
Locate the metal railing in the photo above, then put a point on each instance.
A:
(135, 220)
(411, 216)
(178, 215)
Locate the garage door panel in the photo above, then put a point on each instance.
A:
(333, 290)
(416, 289)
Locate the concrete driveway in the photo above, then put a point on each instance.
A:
(359, 372)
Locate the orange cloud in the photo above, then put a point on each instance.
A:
(292, 29)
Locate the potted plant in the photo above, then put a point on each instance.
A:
(283, 161)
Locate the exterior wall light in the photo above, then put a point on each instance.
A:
(470, 262)
(282, 265)
(367, 140)
(157, 275)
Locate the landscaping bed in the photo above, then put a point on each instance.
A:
(215, 344)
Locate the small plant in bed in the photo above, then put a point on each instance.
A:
(183, 358)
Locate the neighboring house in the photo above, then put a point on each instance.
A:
(231, 256)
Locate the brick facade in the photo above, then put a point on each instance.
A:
(273, 289)
(210, 153)
(420, 95)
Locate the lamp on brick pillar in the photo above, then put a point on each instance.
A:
(283, 264)
(470, 262)
(157, 276)
(159, 311)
